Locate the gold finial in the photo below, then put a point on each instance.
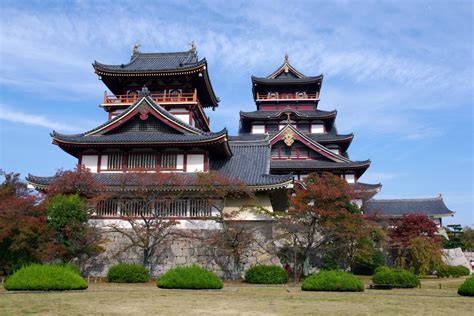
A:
(135, 48)
(193, 46)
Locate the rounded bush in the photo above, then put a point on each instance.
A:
(266, 274)
(467, 288)
(446, 271)
(191, 277)
(128, 273)
(39, 277)
(397, 278)
(336, 281)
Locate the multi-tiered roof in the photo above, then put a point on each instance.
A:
(157, 122)
(304, 139)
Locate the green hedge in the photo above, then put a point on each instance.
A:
(39, 277)
(128, 273)
(467, 288)
(337, 281)
(446, 271)
(266, 274)
(192, 277)
(398, 278)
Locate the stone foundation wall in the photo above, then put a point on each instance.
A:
(456, 257)
(184, 250)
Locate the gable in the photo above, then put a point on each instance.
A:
(145, 108)
(289, 135)
(137, 124)
(297, 150)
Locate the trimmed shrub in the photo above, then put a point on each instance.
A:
(397, 278)
(445, 271)
(191, 277)
(39, 277)
(467, 288)
(128, 273)
(266, 274)
(335, 281)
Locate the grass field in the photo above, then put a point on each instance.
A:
(240, 299)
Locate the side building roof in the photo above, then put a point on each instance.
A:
(433, 207)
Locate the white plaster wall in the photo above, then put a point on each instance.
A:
(317, 128)
(179, 161)
(258, 129)
(103, 162)
(90, 162)
(183, 117)
(195, 163)
(260, 199)
(350, 178)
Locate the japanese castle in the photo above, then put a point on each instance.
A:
(156, 120)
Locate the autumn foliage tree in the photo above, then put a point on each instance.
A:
(24, 234)
(321, 219)
(416, 243)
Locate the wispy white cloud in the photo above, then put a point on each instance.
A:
(7, 114)
(376, 177)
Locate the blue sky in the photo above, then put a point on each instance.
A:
(400, 74)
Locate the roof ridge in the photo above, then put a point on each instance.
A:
(437, 198)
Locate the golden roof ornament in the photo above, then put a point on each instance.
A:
(288, 137)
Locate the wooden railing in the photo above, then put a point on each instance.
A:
(182, 208)
(111, 99)
(287, 96)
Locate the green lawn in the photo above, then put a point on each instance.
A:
(240, 299)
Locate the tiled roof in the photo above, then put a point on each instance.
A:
(249, 137)
(360, 186)
(147, 62)
(317, 114)
(248, 164)
(318, 164)
(397, 207)
(287, 80)
(366, 191)
(136, 137)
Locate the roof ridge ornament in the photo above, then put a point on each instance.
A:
(136, 48)
(193, 47)
(286, 66)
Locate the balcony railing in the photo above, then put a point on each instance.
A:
(178, 208)
(287, 96)
(123, 99)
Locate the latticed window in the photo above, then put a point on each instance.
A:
(169, 161)
(141, 161)
(115, 162)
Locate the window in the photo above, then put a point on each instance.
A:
(115, 162)
(169, 161)
(301, 95)
(273, 95)
(334, 150)
(141, 161)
